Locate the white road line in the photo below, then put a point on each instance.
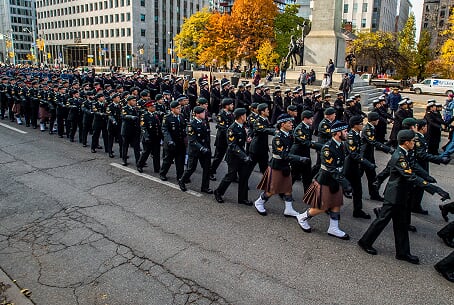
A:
(12, 128)
(135, 172)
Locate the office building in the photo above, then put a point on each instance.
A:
(126, 33)
(435, 18)
(17, 30)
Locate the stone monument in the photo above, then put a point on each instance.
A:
(325, 40)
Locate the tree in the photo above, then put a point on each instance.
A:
(252, 23)
(407, 42)
(378, 49)
(218, 42)
(447, 49)
(424, 54)
(286, 25)
(266, 56)
(187, 42)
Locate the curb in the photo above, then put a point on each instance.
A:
(13, 294)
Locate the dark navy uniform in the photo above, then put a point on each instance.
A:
(199, 150)
(75, 117)
(99, 125)
(237, 162)
(151, 140)
(87, 120)
(224, 120)
(174, 132)
(114, 128)
(302, 136)
(130, 132)
(258, 150)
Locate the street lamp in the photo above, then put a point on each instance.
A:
(33, 35)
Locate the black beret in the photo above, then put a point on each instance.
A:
(329, 111)
(254, 105)
(421, 123)
(239, 112)
(307, 114)
(405, 135)
(144, 93)
(174, 104)
(338, 126)
(166, 92)
(99, 95)
(372, 116)
(131, 97)
(198, 109)
(292, 108)
(158, 96)
(355, 120)
(227, 101)
(262, 107)
(115, 95)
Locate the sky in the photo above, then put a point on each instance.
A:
(417, 10)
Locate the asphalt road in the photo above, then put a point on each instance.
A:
(78, 228)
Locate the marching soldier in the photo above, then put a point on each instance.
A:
(237, 160)
(401, 180)
(302, 144)
(114, 125)
(434, 126)
(62, 112)
(74, 104)
(199, 150)
(354, 162)
(99, 123)
(224, 120)
(87, 117)
(151, 138)
(3, 98)
(368, 146)
(277, 178)
(130, 129)
(325, 192)
(174, 133)
(258, 150)
(33, 93)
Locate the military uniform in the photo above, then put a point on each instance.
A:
(87, 120)
(114, 128)
(400, 184)
(174, 132)
(75, 117)
(258, 150)
(130, 132)
(62, 115)
(368, 146)
(324, 135)
(3, 100)
(354, 162)
(434, 124)
(302, 136)
(224, 120)
(237, 162)
(99, 125)
(199, 151)
(151, 140)
(33, 93)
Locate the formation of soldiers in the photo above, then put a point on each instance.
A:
(174, 114)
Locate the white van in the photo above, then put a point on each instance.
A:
(435, 85)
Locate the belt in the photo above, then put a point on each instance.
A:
(277, 157)
(339, 169)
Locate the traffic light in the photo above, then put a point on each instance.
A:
(141, 51)
(11, 54)
(49, 56)
(9, 44)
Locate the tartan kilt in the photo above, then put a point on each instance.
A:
(320, 197)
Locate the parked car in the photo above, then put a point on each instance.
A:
(435, 86)
(384, 82)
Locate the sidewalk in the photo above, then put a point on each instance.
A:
(13, 293)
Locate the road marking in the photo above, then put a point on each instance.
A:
(12, 128)
(146, 176)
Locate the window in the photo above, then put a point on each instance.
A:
(354, 23)
(128, 32)
(345, 8)
(364, 7)
(142, 32)
(355, 7)
(142, 2)
(363, 22)
(142, 17)
(128, 16)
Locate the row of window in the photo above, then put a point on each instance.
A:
(85, 21)
(93, 6)
(26, 3)
(123, 32)
(355, 7)
(21, 11)
(354, 24)
(71, 10)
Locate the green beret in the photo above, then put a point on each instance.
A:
(174, 104)
(202, 101)
(198, 109)
(158, 97)
(307, 114)
(227, 101)
(406, 123)
(254, 105)
(292, 108)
